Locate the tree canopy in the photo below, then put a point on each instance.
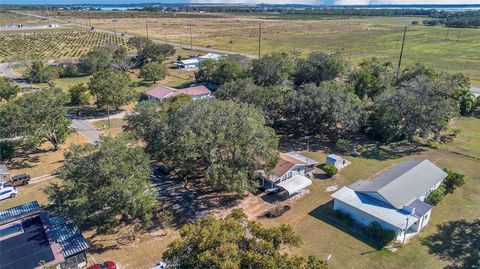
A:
(272, 70)
(372, 78)
(104, 184)
(226, 142)
(36, 117)
(153, 72)
(220, 72)
(330, 108)
(235, 242)
(270, 100)
(318, 67)
(420, 107)
(38, 72)
(153, 52)
(110, 88)
(7, 89)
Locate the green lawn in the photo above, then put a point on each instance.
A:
(321, 238)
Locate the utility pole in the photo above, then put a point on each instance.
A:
(401, 54)
(146, 25)
(48, 15)
(89, 21)
(259, 39)
(113, 25)
(191, 42)
(448, 31)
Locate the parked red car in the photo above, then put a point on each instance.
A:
(105, 265)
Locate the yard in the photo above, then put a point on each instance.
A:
(321, 236)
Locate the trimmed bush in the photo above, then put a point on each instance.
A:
(330, 169)
(436, 196)
(375, 230)
(343, 217)
(277, 211)
(453, 180)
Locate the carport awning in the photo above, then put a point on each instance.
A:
(295, 184)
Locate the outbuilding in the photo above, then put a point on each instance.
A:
(336, 161)
(188, 63)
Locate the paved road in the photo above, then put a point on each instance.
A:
(187, 46)
(7, 71)
(87, 130)
(82, 126)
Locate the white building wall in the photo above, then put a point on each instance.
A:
(364, 218)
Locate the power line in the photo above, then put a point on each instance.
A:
(401, 54)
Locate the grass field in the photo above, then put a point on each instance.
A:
(322, 238)
(52, 43)
(356, 38)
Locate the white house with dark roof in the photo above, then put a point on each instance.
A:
(290, 173)
(395, 198)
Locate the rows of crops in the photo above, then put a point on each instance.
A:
(53, 43)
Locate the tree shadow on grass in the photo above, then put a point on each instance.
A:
(391, 151)
(323, 213)
(457, 242)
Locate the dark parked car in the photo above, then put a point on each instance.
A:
(19, 180)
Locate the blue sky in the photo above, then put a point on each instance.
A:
(312, 2)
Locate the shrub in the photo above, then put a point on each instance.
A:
(277, 211)
(7, 149)
(375, 230)
(343, 217)
(330, 169)
(453, 180)
(79, 94)
(344, 145)
(436, 196)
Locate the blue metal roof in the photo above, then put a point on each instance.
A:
(18, 210)
(67, 234)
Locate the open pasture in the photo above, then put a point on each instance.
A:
(355, 38)
(52, 43)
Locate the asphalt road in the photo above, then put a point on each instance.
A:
(180, 45)
(82, 126)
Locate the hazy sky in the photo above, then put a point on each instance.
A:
(312, 2)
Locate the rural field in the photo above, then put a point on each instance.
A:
(453, 50)
(355, 39)
(55, 43)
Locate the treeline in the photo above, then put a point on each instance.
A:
(469, 19)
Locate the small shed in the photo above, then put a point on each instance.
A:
(4, 174)
(336, 161)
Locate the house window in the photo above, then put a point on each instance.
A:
(289, 174)
(425, 217)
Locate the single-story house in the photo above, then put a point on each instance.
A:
(475, 91)
(336, 161)
(188, 63)
(395, 198)
(162, 93)
(196, 62)
(30, 235)
(4, 174)
(290, 173)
